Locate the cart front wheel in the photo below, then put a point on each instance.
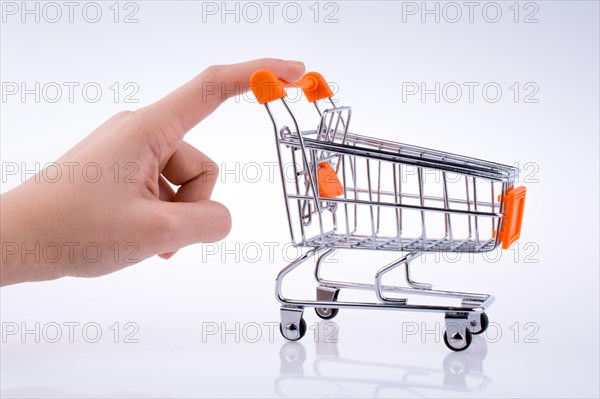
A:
(293, 331)
(458, 341)
(484, 322)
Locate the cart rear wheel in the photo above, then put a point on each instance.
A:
(328, 313)
(484, 321)
(458, 342)
(292, 331)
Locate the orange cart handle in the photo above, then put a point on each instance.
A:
(267, 87)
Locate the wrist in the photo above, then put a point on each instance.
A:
(21, 257)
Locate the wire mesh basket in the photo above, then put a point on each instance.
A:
(350, 191)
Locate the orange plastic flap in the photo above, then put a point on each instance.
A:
(513, 216)
(266, 86)
(318, 90)
(329, 184)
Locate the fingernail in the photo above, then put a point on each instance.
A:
(295, 62)
(168, 255)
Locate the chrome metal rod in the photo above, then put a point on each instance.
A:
(403, 206)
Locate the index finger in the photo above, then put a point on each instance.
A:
(185, 107)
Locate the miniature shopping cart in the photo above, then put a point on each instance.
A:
(347, 191)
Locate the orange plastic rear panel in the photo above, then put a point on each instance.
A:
(329, 184)
(513, 216)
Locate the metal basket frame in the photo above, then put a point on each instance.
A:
(338, 224)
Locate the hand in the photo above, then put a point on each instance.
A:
(77, 226)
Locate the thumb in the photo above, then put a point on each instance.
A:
(194, 222)
(191, 103)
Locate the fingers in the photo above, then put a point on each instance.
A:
(192, 216)
(188, 105)
(193, 222)
(196, 173)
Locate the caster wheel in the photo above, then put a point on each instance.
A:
(485, 322)
(328, 313)
(292, 331)
(457, 342)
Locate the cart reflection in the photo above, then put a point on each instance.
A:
(332, 375)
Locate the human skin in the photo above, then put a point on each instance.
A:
(77, 226)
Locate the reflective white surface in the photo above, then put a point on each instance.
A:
(199, 338)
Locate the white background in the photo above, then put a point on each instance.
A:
(546, 287)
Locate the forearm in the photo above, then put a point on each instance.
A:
(22, 258)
